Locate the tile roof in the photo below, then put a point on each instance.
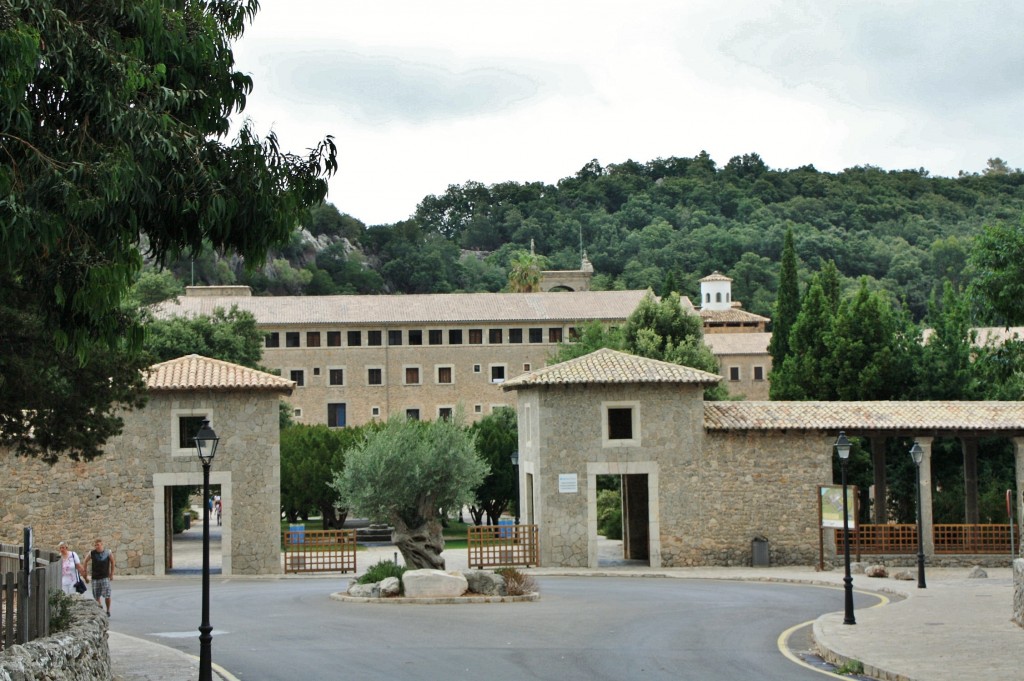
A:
(715, 276)
(424, 309)
(731, 315)
(611, 366)
(904, 417)
(755, 343)
(195, 372)
(987, 335)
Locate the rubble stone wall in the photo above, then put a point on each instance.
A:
(79, 654)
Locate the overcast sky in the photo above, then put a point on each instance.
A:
(421, 95)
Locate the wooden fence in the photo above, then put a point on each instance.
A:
(503, 546)
(25, 612)
(319, 551)
(949, 539)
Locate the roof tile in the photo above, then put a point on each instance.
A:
(195, 372)
(611, 366)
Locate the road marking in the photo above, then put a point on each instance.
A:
(186, 634)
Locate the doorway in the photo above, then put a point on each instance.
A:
(178, 541)
(622, 509)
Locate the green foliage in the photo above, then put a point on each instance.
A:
(787, 304)
(609, 513)
(380, 571)
(231, 336)
(997, 259)
(517, 582)
(155, 286)
(524, 270)
(60, 611)
(496, 437)
(851, 667)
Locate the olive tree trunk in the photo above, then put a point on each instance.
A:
(421, 544)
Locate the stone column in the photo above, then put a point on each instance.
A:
(927, 524)
(969, 446)
(881, 514)
(1018, 455)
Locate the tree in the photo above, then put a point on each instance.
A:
(496, 438)
(524, 272)
(310, 457)
(805, 374)
(112, 119)
(407, 473)
(155, 286)
(998, 258)
(231, 336)
(787, 304)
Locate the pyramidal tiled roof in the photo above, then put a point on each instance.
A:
(880, 416)
(611, 366)
(195, 372)
(716, 276)
(730, 315)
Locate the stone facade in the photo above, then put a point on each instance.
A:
(1018, 591)
(79, 654)
(120, 496)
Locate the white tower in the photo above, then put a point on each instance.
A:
(716, 292)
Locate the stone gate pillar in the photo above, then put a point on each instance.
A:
(1018, 455)
(927, 524)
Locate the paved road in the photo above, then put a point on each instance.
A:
(581, 629)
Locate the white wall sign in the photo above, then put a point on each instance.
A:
(567, 483)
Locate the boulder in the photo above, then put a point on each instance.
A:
(977, 573)
(433, 584)
(364, 590)
(485, 583)
(390, 587)
(856, 568)
(905, 575)
(876, 571)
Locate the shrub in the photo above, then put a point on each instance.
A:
(60, 611)
(381, 571)
(517, 583)
(609, 514)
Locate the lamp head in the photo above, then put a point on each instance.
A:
(917, 453)
(843, 446)
(206, 442)
(515, 458)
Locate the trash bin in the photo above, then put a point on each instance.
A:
(759, 552)
(505, 528)
(188, 521)
(298, 533)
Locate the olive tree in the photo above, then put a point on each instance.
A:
(408, 473)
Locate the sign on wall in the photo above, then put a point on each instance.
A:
(831, 506)
(567, 483)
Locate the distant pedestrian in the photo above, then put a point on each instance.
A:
(102, 572)
(71, 568)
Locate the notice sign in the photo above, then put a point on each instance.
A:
(831, 498)
(567, 483)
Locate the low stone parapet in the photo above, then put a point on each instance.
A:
(1018, 591)
(81, 653)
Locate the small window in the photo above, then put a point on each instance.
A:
(515, 335)
(707, 297)
(435, 337)
(476, 336)
(478, 408)
(498, 373)
(620, 423)
(758, 373)
(536, 335)
(574, 335)
(444, 374)
(555, 335)
(734, 373)
(375, 412)
(291, 339)
(188, 428)
(395, 337)
(336, 377)
(336, 415)
(718, 297)
(354, 338)
(316, 371)
(444, 413)
(312, 339)
(412, 375)
(476, 368)
(494, 336)
(272, 340)
(299, 376)
(334, 339)
(412, 414)
(455, 337)
(375, 376)
(416, 337)
(526, 367)
(373, 337)
(297, 412)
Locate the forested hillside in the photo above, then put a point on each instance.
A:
(660, 224)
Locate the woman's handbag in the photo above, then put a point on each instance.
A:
(80, 586)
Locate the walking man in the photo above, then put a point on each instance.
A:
(102, 572)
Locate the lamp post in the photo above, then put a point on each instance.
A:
(515, 474)
(206, 446)
(843, 449)
(917, 454)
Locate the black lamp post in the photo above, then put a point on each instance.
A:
(843, 449)
(515, 474)
(206, 446)
(917, 454)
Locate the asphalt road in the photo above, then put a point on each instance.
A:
(582, 629)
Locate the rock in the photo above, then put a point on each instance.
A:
(365, 590)
(433, 584)
(876, 571)
(905, 575)
(977, 573)
(390, 587)
(485, 583)
(856, 568)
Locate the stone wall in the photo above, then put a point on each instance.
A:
(79, 654)
(119, 496)
(1018, 591)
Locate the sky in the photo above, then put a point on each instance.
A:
(422, 95)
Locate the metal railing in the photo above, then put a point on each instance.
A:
(319, 551)
(24, 611)
(949, 539)
(503, 546)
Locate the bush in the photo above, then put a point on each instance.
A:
(517, 583)
(609, 514)
(381, 571)
(60, 611)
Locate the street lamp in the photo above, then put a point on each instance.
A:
(917, 454)
(206, 446)
(515, 474)
(843, 449)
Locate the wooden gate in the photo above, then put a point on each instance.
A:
(319, 551)
(503, 546)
